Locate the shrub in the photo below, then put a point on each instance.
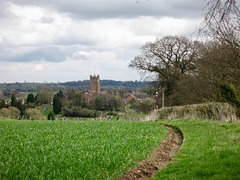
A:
(212, 111)
(128, 113)
(15, 112)
(79, 112)
(84, 112)
(51, 116)
(11, 112)
(147, 105)
(67, 111)
(33, 114)
(229, 94)
(98, 113)
(133, 103)
(4, 112)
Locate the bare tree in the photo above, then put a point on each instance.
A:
(222, 22)
(220, 58)
(221, 9)
(167, 58)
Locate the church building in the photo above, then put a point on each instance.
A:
(94, 88)
(94, 85)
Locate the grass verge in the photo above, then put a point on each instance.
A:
(74, 149)
(211, 150)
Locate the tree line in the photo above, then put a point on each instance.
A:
(72, 103)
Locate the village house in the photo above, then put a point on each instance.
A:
(8, 103)
(138, 96)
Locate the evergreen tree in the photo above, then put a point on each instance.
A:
(2, 104)
(57, 105)
(14, 102)
(57, 102)
(30, 98)
(60, 94)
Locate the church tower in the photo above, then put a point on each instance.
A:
(94, 84)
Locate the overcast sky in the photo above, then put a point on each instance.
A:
(67, 40)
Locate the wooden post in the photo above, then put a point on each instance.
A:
(162, 100)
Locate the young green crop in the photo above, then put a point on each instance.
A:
(74, 149)
(211, 150)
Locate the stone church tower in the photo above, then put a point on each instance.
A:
(94, 84)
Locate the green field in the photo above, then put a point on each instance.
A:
(74, 149)
(104, 150)
(211, 150)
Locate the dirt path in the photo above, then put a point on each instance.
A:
(159, 159)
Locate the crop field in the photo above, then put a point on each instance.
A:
(211, 150)
(74, 149)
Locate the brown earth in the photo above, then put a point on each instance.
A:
(159, 159)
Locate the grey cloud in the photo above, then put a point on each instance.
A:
(52, 53)
(93, 9)
(74, 40)
(58, 50)
(47, 20)
(79, 57)
(4, 13)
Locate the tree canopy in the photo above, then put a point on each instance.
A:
(45, 95)
(167, 58)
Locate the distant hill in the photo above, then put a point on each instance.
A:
(110, 83)
(82, 85)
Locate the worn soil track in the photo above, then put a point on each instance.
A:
(159, 159)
